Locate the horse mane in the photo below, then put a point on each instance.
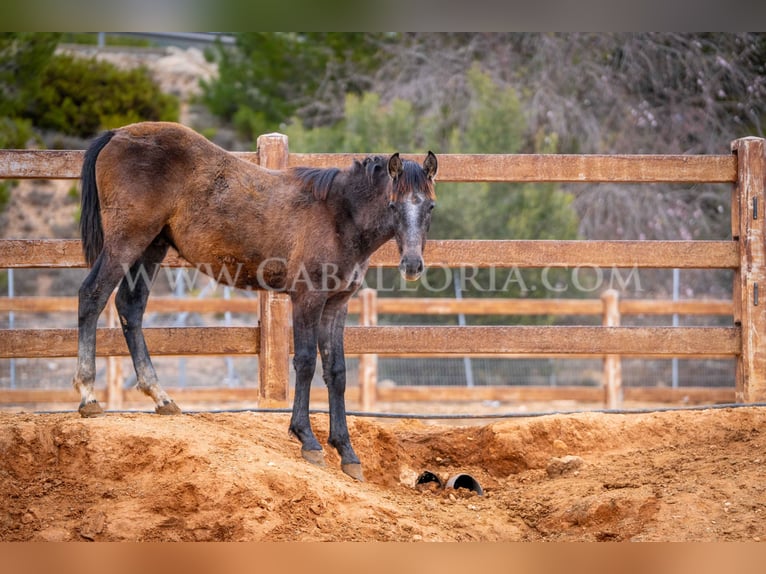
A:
(412, 179)
(316, 180)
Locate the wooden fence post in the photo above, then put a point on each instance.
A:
(613, 393)
(114, 380)
(274, 355)
(368, 363)
(749, 292)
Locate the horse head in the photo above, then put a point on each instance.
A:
(412, 200)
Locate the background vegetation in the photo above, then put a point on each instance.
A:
(448, 92)
(42, 90)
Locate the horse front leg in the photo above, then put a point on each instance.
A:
(307, 309)
(334, 371)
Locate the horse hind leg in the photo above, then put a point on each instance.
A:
(93, 296)
(131, 304)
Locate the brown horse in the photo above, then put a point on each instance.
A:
(307, 232)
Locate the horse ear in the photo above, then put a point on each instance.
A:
(395, 166)
(430, 165)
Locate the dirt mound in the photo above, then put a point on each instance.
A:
(691, 475)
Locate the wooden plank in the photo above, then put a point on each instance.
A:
(604, 255)
(562, 168)
(498, 306)
(182, 305)
(40, 164)
(276, 342)
(633, 341)
(609, 256)
(155, 305)
(114, 378)
(504, 394)
(34, 343)
(368, 363)
(401, 341)
(586, 168)
(55, 253)
(55, 164)
(40, 253)
(528, 394)
(559, 167)
(685, 395)
(403, 306)
(595, 354)
(276, 336)
(750, 279)
(612, 364)
(670, 307)
(510, 306)
(38, 304)
(488, 306)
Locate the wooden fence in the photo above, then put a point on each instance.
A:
(744, 340)
(368, 307)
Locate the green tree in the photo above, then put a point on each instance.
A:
(24, 57)
(74, 96)
(42, 90)
(270, 77)
(82, 96)
(368, 126)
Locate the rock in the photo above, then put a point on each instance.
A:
(560, 446)
(53, 534)
(563, 466)
(92, 525)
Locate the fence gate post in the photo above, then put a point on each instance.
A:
(612, 363)
(749, 292)
(274, 355)
(368, 363)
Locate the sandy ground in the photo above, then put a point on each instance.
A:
(669, 476)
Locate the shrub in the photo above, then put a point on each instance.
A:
(81, 97)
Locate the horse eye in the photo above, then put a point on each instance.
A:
(392, 205)
(431, 207)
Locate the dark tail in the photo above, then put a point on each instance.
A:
(91, 231)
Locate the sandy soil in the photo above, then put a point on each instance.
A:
(690, 475)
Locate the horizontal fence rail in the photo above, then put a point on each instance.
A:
(745, 254)
(66, 253)
(525, 168)
(402, 306)
(367, 305)
(405, 341)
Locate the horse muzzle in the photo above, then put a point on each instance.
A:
(411, 267)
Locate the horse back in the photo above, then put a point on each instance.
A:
(153, 154)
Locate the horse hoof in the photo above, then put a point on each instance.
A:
(90, 410)
(354, 470)
(169, 408)
(315, 457)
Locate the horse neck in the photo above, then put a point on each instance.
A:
(364, 219)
